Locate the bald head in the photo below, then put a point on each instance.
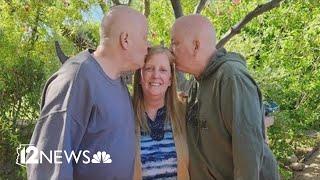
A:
(193, 42)
(120, 19)
(196, 27)
(123, 39)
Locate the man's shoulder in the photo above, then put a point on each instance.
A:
(235, 65)
(234, 56)
(74, 72)
(70, 78)
(78, 66)
(82, 60)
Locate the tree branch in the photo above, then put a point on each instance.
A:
(176, 5)
(200, 6)
(260, 9)
(80, 39)
(146, 8)
(62, 57)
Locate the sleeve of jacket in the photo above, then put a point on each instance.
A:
(65, 111)
(241, 112)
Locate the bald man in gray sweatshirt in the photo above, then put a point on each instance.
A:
(86, 108)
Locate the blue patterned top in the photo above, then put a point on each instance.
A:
(158, 152)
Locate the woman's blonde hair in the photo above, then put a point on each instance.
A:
(174, 108)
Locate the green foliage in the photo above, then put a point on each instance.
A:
(282, 48)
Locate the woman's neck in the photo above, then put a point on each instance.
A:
(152, 105)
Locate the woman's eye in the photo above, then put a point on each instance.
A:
(148, 69)
(163, 70)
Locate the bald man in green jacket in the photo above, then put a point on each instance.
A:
(225, 113)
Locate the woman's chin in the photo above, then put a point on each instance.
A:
(156, 94)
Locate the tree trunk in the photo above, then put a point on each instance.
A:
(177, 9)
(200, 6)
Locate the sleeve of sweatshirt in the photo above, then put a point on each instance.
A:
(241, 112)
(65, 110)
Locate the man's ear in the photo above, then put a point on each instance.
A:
(196, 47)
(124, 40)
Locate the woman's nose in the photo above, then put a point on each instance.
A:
(155, 73)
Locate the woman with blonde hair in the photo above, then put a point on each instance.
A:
(160, 122)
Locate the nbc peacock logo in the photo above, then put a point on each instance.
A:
(101, 157)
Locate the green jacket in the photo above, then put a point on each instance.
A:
(225, 126)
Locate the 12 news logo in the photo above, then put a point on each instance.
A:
(29, 154)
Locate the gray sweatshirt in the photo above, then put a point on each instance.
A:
(84, 111)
